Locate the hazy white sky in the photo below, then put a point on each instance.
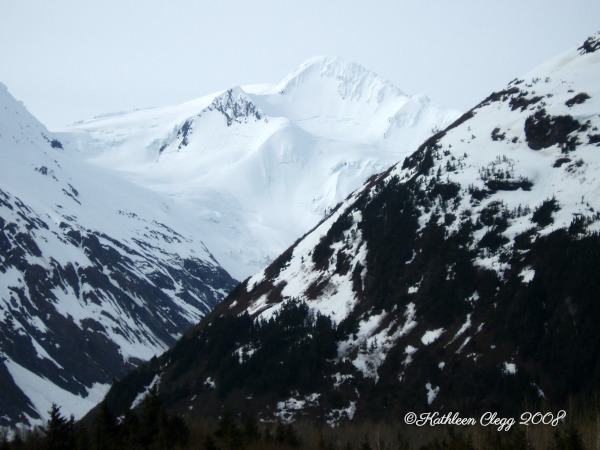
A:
(72, 59)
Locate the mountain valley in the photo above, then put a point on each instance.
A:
(119, 233)
(463, 278)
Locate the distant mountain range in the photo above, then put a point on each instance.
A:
(464, 278)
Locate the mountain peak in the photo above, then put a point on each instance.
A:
(19, 127)
(353, 80)
(236, 106)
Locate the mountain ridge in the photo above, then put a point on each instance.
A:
(92, 281)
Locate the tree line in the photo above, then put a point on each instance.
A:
(152, 427)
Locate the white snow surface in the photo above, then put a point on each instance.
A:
(509, 368)
(527, 275)
(431, 336)
(335, 416)
(44, 393)
(288, 410)
(432, 393)
(262, 165)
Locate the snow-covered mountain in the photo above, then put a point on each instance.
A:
(96, 273)
(261, 165)
(463, 279)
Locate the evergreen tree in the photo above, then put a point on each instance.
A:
(365, 444)
(105, 429)
(130, 431)
(570, 439)
(152, 411)
(229, 431)
(286, 434)
(209, 444)
(59, 432)
(250, 428)
(4, 442)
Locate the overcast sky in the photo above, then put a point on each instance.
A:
(73, 59)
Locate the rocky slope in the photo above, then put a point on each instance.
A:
(96, 274)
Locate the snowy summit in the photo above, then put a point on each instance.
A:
(259, 166)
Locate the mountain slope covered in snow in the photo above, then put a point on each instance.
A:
(462, 279)
(260, 165)
(96, 274)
